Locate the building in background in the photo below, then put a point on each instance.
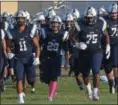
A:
(10, 7)
(36, 6)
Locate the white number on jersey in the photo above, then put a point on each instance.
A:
(23, 46)
(92, 38)
(115, 31)
(52, 46)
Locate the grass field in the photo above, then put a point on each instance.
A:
(67, 93)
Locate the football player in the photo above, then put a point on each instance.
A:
(76, 15)
(112, 21)
(106, 63)
(91, 30)
(23, 39)
(54, 42)
(73, 60)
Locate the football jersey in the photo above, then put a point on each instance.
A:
(23, 45)
(92, 35)
(112, 30)
(53, 43)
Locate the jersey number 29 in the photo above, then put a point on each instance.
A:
(52, 46)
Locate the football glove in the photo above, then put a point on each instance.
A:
(36, 61)
(10, 55)
(107, 52)
(81, 46)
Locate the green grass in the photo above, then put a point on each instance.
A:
(67, 93)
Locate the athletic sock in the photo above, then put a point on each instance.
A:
(52, 88)
(95, 90)
(111, 83)
(89, 88)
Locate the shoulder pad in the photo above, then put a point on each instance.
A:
(104, 23)
(2, 34)
(33, 30)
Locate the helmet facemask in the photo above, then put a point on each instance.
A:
(20, 21)
(90, 20)
(69, 21)
(55, 23)
(113, 15)
(69, 24)
(113, 11)
(55, 26)
(90, 16)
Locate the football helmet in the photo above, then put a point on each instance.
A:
(90, 16)
(41, 19)
(27, 15)
(50, 14)
(5, 16)
(20, 17)
(113, 11)
(75, 13)
(69, 21)
(55, 23)
(102, 11)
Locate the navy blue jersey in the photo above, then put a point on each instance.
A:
(112, 30)
(23, 46)
(91, 35)
(53, 43)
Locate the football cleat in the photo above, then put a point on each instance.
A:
(95, 96)
(33, 90)
(20, 98)
(89, 91)
(50, 99)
